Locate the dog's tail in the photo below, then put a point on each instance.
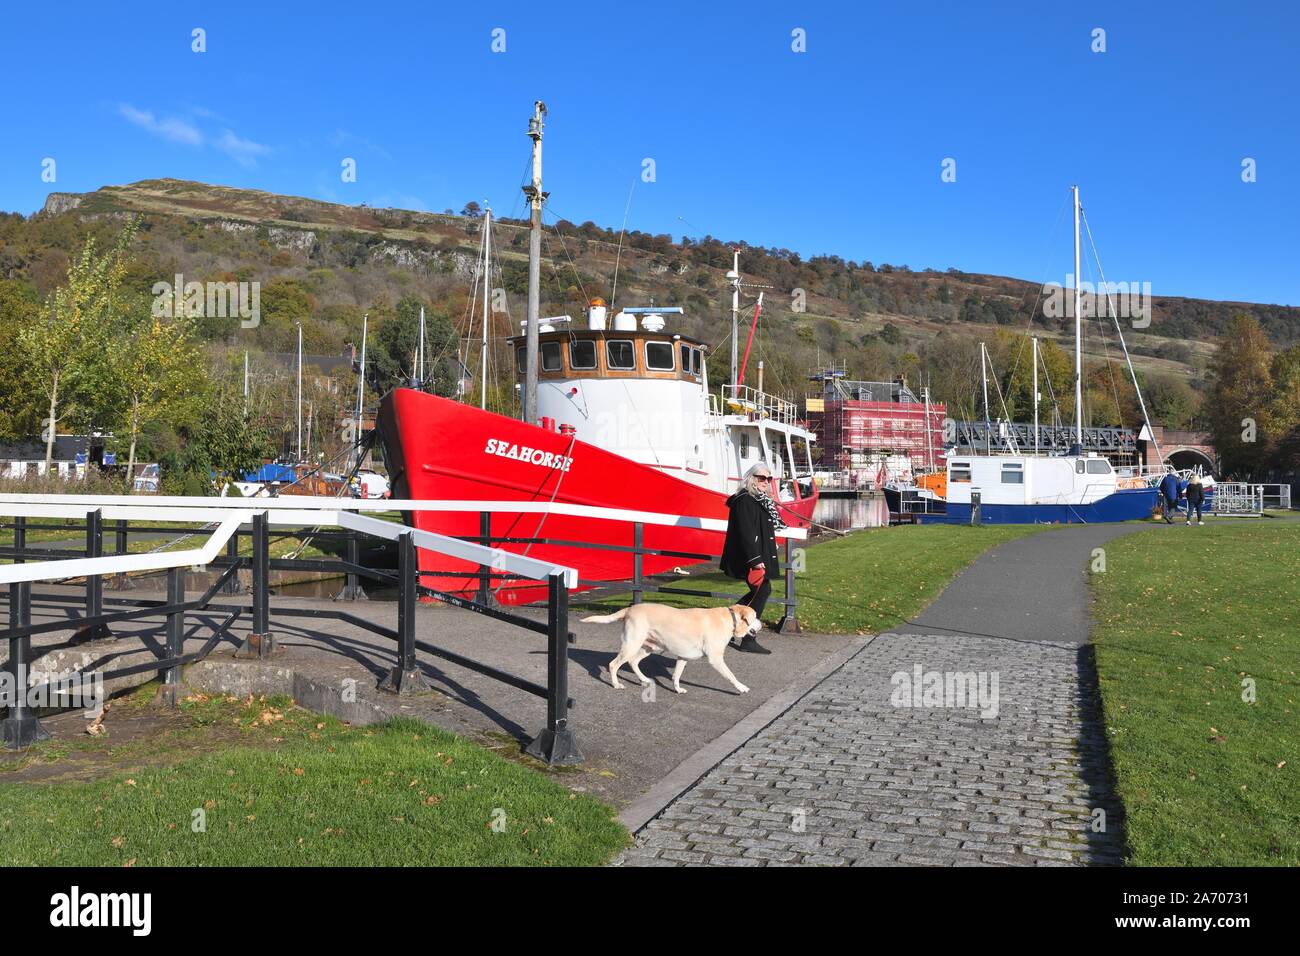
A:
(606, 618)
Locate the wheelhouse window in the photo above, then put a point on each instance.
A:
(1013, 473)
(551, 357)
(521, 357)
(697, 362)
(619, 354)
(659, 356)
(1098, 466)
(1078, 467)
(686, 357)
(582, 354)
(960, 471)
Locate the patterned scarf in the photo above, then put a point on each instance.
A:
(770, 505)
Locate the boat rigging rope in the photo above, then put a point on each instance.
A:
(1120, 332)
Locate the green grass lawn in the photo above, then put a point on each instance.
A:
(865, 582)
(1184, 617)
(275, 785)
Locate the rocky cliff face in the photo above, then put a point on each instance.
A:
(58, 203)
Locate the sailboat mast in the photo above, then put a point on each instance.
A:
(984, 376)
(483, 355)
(1035, 342)
(1078, 332)
(361, 383)
(535, 199)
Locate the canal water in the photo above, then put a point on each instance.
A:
(852, 514)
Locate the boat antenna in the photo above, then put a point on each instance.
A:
(1078, 332)
(536, 199)
(734, 278)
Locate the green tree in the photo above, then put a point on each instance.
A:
(63, 349)
(19, 410)
(155, 365)
(1239, 406)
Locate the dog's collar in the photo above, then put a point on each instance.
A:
(733, 621)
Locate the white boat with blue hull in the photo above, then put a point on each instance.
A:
(1026, 489)
(1014, 487)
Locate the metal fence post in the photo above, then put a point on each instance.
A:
(485, 570)
(405, 676)
(175, 632)
(260, 643)
(352, 590)
(232, 555)
(20, 728)
(121, 582)
(637, 535)
(94, 582)
(556, 743)
(789, 621)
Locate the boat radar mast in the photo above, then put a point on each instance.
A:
(536, 198)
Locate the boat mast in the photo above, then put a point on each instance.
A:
(299, 324)
(535, 199)
(1078, 332)
(1035, 342)
(361, 384)
(734, 276)
(988, 438)
(421, 363)
(483, 357)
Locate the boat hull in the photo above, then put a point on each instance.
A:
(1129, 504)
(443, 450)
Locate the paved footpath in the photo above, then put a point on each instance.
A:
(848, 776)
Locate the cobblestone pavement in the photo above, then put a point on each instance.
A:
(845, 777)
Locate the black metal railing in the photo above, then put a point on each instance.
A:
(21, 726)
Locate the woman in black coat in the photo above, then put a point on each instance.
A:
(749, 553)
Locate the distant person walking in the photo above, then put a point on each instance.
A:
(749, 553)
(1169, 495)
(1195, 499)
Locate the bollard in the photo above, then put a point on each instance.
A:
(175, 634)
(789, 621)
(260, 643)
(352, 590)
(637, 533)
(21, 728)
(94, 582)
(122, 581)
(405, 676)
(556, 744)
(485, 570)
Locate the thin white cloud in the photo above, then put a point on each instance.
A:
(175, 130)
(184, 131)
(242, 151)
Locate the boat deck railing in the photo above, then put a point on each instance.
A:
(743, 400)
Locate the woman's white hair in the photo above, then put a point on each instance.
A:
(752, 483)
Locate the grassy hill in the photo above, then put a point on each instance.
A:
(326, 264)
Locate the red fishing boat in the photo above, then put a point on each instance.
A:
(626, 422)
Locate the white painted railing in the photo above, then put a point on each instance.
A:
(316, 512)
(302, 510)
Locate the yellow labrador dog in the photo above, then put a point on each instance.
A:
(684, 633)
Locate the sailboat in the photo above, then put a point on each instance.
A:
(616, 413)
(1015, 487)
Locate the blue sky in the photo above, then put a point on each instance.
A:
(834, 150)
